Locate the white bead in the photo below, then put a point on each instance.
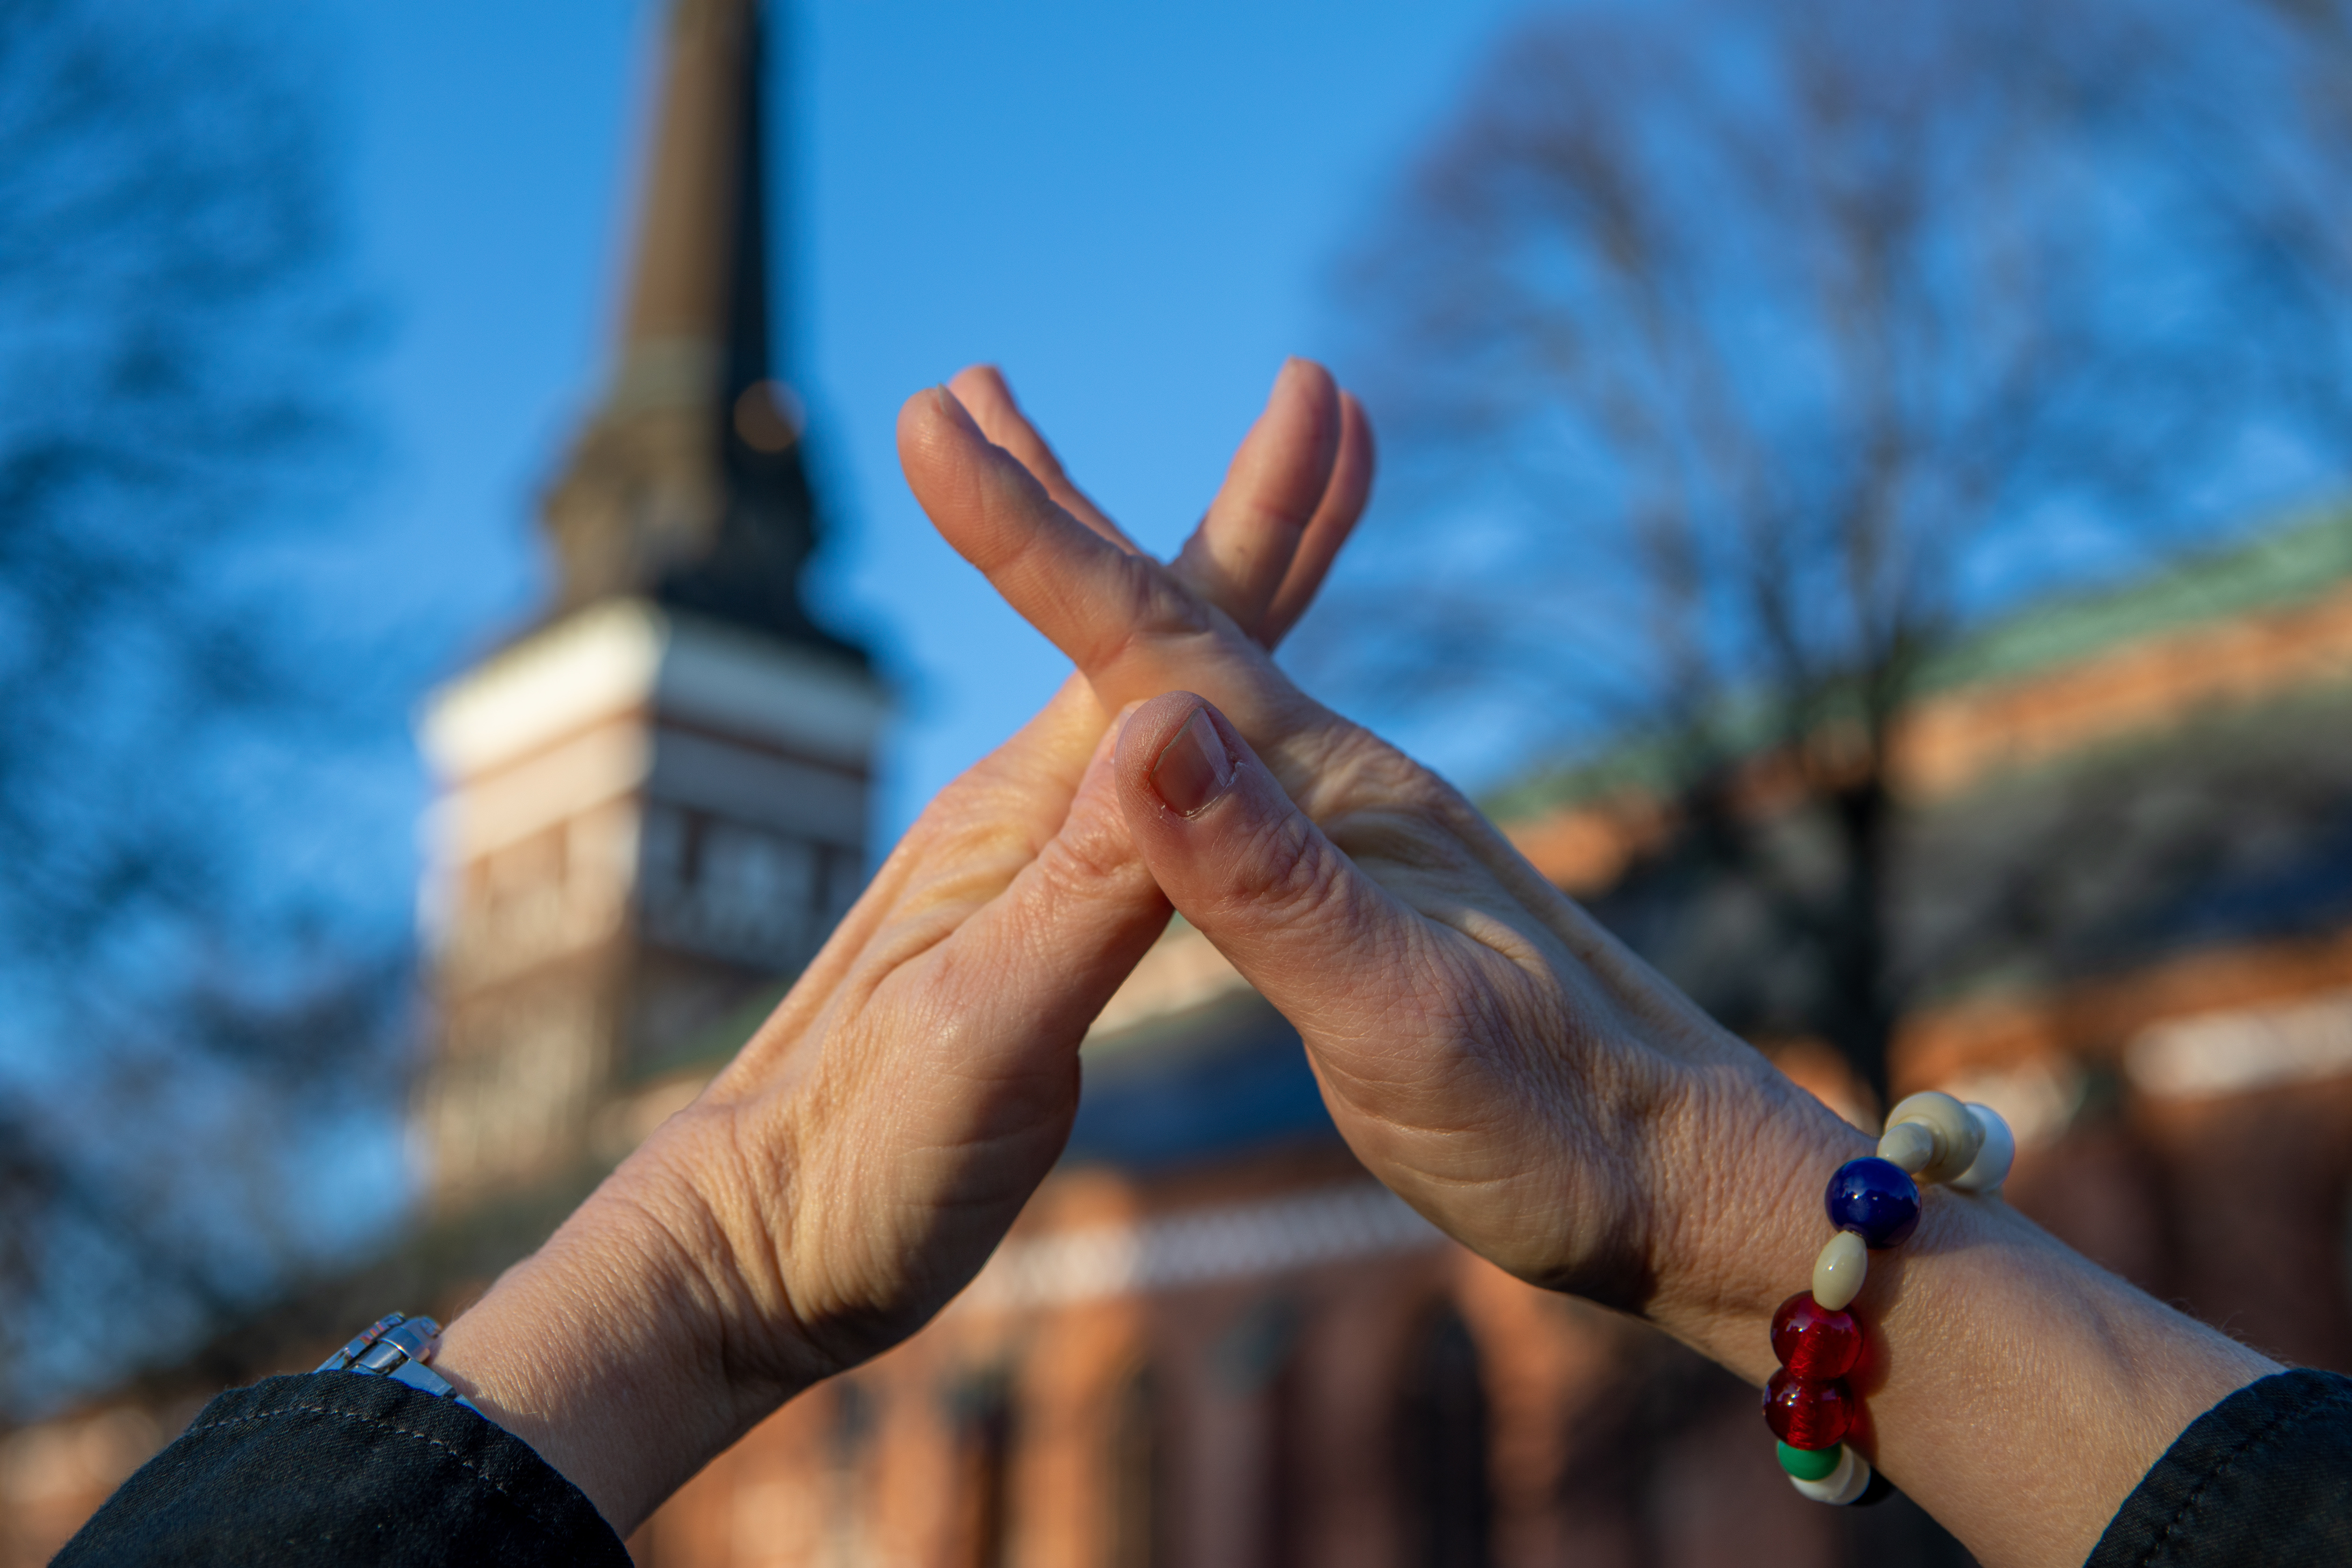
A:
(1910, 1144)
(1839, 1271)
(1957, 1136)
(1990, 1167)
(1841, 1486)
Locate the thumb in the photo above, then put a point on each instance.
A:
(1298, 919)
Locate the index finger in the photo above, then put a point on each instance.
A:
(988, 397)
(1124, 620)
(1089, 597)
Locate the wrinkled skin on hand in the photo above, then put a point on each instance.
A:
(875, 1140)
(1487, 1050)
(1532, 1088)
(855, 1164)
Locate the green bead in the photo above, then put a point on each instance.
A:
(1810, 1464)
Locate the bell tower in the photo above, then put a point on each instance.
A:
(654, 802)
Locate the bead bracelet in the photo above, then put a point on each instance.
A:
(1874, 1204)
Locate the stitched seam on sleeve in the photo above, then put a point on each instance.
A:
(2229, 1461)
(513, 1501)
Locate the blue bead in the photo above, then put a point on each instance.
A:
(1875, 1199)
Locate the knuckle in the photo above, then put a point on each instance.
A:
(1148, 606)
(1381, 807)
(1293, 873)
(1091, 853)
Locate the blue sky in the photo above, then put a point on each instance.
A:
(1132, 207)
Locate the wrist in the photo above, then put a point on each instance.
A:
(615, 1352)
(2007, 1384)
(1743, 1179)
(2011, 1382)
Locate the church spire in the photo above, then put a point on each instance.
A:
(681, 283)
(654, 804)
(687, 486)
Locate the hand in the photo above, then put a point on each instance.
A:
(1484, 1046)
(1523, 1081)
(855, 1164)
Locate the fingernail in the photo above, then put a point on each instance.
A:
(1192, 769)
(952, 406)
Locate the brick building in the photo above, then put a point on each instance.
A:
(2126, 891)
(1213, 1341)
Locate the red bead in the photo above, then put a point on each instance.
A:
(1815, 1341)
(1804, 1413)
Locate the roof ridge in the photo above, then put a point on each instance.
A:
(2299, 558)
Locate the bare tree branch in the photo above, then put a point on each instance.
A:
(175, 340)
(1746, 355)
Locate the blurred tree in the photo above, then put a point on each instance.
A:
(1739, 357)
(184, 1011)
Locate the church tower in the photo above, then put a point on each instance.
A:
(654, 802)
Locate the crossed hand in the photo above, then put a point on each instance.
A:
(1484, 1048)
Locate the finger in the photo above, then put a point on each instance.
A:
(969, 844)
(1028, 973)
(1132, 628)
(1316, 935)
(1090, 598)
(1241, 554)
(965, 1067)
(1343, 503)
(1069, 927)
(988, 397)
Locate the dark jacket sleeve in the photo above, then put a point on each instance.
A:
(338, 1468)
(2263, 1476)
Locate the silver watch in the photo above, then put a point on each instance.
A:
(398, 1347)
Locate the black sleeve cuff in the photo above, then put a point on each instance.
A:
(333, 1467)
(2263, 1476)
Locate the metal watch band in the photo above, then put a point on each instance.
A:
(398, 1347)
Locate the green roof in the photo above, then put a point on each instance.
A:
(2299, 560)
(2295, 561)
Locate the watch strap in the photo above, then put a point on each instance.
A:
(401, 1348)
